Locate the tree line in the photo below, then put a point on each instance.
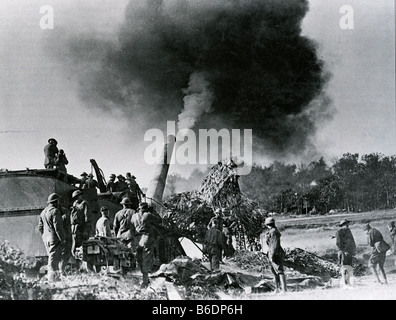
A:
(351, 184)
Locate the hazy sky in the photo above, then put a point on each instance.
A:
(39, 98)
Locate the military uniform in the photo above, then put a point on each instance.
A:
(143, 222)
(214, 243)
(103, 224)
(52, 232)
(123, 227)
(50, 153)
(275, 253)
(67, 245)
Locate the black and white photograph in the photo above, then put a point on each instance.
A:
(210, 151)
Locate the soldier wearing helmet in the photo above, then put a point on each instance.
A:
(346, 250)
(144, 223)
(110, 187)
(122, 222)
(275, 253)
(50, 153)
(81, 220)
(214, 244)
(51, 228)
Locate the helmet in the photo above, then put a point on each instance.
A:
(84, 174)
(126, 201)
(269, 220)
(76, 193)
(343, 221)
(128, 174)
(53, 197)
(112, 175)
(143, 205)
(52, 140)
(103, 209)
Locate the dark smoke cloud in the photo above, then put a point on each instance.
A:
(261, 72)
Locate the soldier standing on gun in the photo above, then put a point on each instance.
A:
(50, 153)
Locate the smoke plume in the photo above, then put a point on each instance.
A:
(240, 64)
(197, 100)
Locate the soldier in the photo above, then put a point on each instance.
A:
(377, 258)
(81, 220)
(144, 223)
(110, 187)
(53, 235)
(61, 161)
(229, 225)
(123, 227)
(120, 184)
(392, 233)
(91, 183)
(275, 254)
(214, 244)
(67, 245)
(136, 194)
(84, 177)
(220, 222)
(346, 250)
(50, 153)
(103, 224)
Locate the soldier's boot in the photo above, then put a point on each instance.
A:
(277, 284)
(384, 275)
(283, 285)
(145, 282)
(348, 275)
(344, 276)
(374, 272)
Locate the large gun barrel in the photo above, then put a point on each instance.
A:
(157, 184)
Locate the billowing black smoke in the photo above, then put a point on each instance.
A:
(225, 63)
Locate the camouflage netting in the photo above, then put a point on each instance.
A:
(192, 211)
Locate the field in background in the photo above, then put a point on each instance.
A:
(314, 233)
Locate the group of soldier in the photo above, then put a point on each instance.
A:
(63, 231)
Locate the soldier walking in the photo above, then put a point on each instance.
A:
(378, 255)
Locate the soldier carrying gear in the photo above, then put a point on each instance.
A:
(51, 228)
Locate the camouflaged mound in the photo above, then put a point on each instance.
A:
(191, 211)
